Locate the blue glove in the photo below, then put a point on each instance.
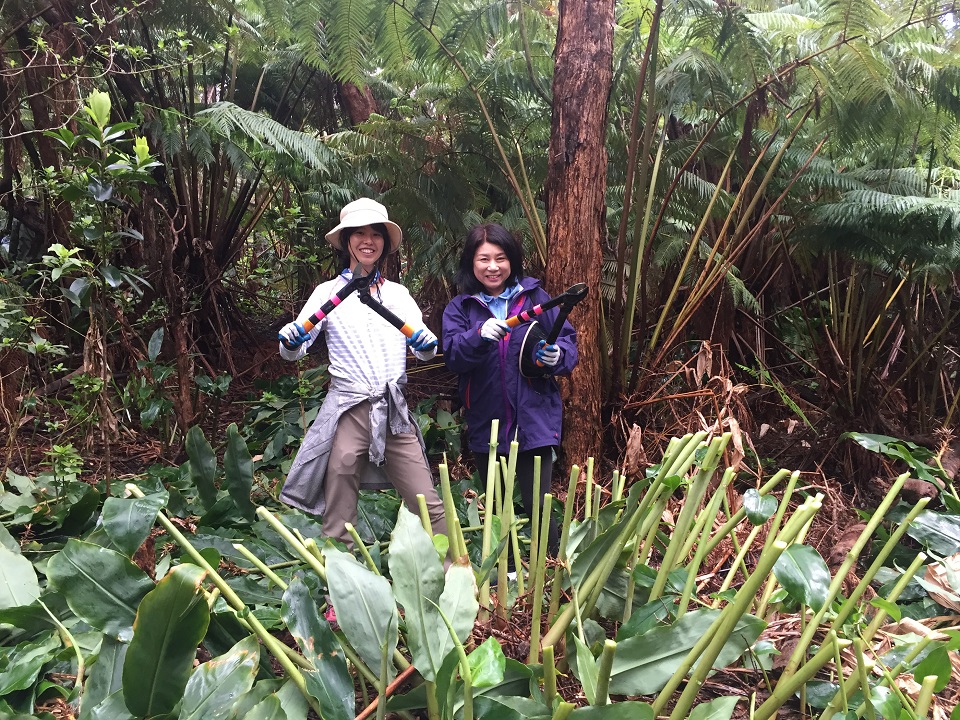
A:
(293, 335)
(548, 355)
(422, 340)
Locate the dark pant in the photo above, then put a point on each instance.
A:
(524, 480)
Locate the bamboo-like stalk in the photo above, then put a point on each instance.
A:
(603, 672)
(464, 663)
(691, 506)
(864, 668)
(837, 584)
(450, 511)
(597, 495)
(713, 507)
(549, 676)
(740, 514)
(588, 491)
(617, 486)
(535, 513)
(925, 697)
(424, 514)
(881, 615)
(539, 575)
(295, 545)
(784, 690)
(701, 520)
(564, 538)
(736, 565)
(705, 651)
(270, 642)
(260, 565)
(358, 543)
(484, 594)
(774, 529)
(563, 711)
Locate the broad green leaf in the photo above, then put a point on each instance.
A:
(507, 707)
(448, 687)
(128, 521)
(366, 610)
(18, 580)
(643, 664)
(153, 347)
(113, 708)
(458, 601)
(417, 583)
(267, 709)
(215, 686)
(629, 710)
(238, 472)
(293, 702)
(171, 622)
(587, 670)
(937, 531)
(330, 683)
(101, 586)
(803, 573)
(8, 541)
(259, 692)
(203, 466)
(20, 665)
(819, 693)
(487, 664)
(105, 676)
(720, 709)
(644, 619)
(759, 508)
(891, 608)
(936, 663)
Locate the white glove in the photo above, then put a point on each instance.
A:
(548, 355)
(293, 335)
(494, 330)
(422, 340)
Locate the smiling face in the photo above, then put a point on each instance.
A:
(366, 246)
(492, 268)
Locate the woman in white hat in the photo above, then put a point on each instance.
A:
(364, 435)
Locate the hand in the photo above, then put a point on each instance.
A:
(548, 355)
(422, 340)
(293, 335)
(494, 330)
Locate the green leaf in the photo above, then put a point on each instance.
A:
(891, 608)
(215, 686)
(759, 508)
(507, 707)
(203, 466)
(458, 601)
(366, 610)
(643, 664)
(629, 710)
(128, 521)
(644, 619)
(937, 663)
(487, 664)
(18, 580)
(171, 622)
(937, 531)
(238, 472)
(720, 709)
(20, 665)
(267, 709)
(113, 708)
(105, 677)
(417, 583)
(587, 670)
(330, 683)
(101, 586)
(803, 573)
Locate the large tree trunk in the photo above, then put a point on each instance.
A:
(576, 182)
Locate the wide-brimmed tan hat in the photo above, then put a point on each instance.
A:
(365, 212)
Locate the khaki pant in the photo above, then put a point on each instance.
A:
(405, 467)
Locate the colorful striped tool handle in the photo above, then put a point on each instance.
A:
(358, 282)
(569, 297)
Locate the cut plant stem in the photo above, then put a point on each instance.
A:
(588, 491)
(261, 566)
(270, 642)
(424, 514)
(740, 514)
(358, 543)
(925, 697)
(774, 529)
(603, 671)
(564, 538)
(708, 516)
(484, 596)
(881, 615)
(299, 548)
(538, 501)
(539, 572)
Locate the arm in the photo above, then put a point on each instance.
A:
(413, 318)
(314, 303)
(463, 348)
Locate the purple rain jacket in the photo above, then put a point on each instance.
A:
(491, 385)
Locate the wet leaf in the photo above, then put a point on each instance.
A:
(128, 521)
(804, 575)
(215, 686)
(18, 580)
(759, 508)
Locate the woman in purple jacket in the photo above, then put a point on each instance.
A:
(479, 346)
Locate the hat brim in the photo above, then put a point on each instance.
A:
(360, 219)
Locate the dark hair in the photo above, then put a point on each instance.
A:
(495, 235)
(344, 253)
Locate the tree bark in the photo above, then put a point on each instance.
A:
(576, 184)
